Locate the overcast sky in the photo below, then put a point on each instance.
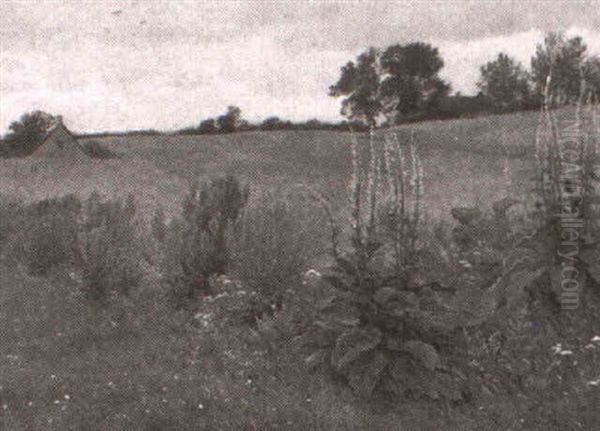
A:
(115, 65)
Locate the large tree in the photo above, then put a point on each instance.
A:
(402, 79)
(231, 120)
(360, 82)
(505, 83)
(411, 82)
(26, 134)
(560, 63)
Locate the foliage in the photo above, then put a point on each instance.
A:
(505, 82)
(45, 234)
(402, 79)
(231, 120)
(208, 126)
(560, 65)
(96, 150)
(380, 327)
(198, 243)
(360, 82)
(273, 244)
(111, 254)
(26, 134)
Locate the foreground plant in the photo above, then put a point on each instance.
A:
(381, 329)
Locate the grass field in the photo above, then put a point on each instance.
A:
(465, 163)
(65, 364)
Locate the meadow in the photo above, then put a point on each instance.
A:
(114, 318)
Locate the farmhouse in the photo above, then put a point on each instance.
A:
(59, 142)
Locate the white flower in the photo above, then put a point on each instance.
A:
(594, 382)
(67, 397)
(596, 339)
(200, 406)
(566, 352)
(312, 273)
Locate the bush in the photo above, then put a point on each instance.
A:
(198, 243)
(46, 234)
(95, 150)
(381, 330)
(112, 262)
(274, 242)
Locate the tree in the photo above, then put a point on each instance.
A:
(231, 120)
(26, 134)
(360, 82)
(591, 72)
(561, 60)
(505, 83)
(412, 84)
(401, 80)
(207, 126)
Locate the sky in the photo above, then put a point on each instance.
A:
(122, 65)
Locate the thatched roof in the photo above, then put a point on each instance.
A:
(59, 142)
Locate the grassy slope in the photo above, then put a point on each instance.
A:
(50, 347)
(464, 163)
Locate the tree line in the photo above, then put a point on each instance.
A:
(401, 82)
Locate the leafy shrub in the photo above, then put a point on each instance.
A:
(111, 261)
(198, 243)
(9, 214)
(378, 329)
(273, 244)
(46, 234)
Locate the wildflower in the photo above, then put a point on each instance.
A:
(596, 339)
(557, 349)
(566, 352)
(313, 273)
(67, 397)
(200, 406)
(594, 382)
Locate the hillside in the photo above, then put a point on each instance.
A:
(157, 169)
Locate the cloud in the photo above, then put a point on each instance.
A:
(167, 65)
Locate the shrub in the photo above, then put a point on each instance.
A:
(379, 330)
(198, 243)
(96, 150)
(47, 234)
(111, 261)
(273, 243)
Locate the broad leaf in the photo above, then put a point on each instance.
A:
(424, 353)
(365, 373)
(352, 344)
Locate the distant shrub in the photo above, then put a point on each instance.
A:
(46, 234)
(198, 244)
(96, 150)
(9, 211)
(111, 257)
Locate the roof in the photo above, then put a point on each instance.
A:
(58, 141)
